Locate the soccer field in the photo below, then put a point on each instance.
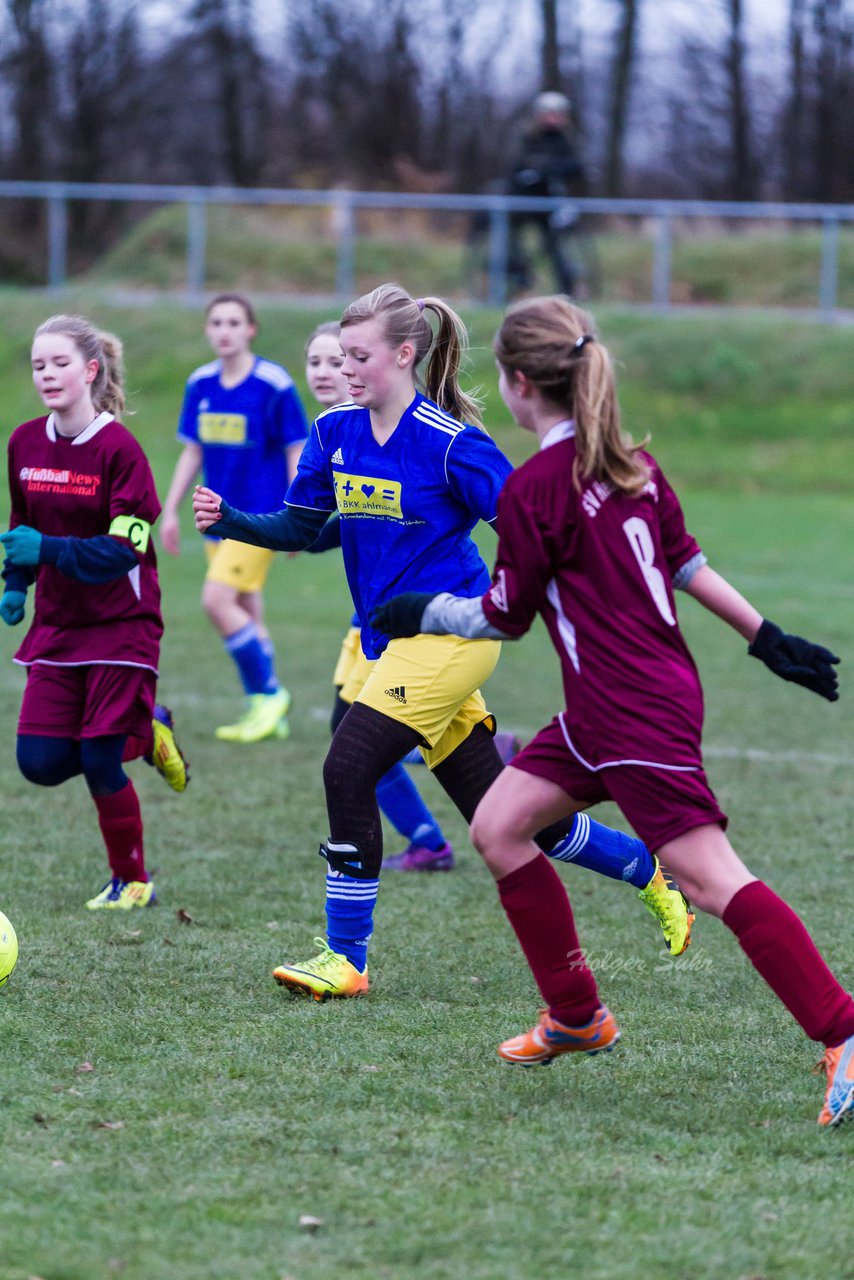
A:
(168, 1113)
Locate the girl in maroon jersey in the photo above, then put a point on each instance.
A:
(83, 503)
(592, 537)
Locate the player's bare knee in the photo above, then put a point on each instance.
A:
(485, 832)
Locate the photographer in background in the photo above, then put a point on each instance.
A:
(546, 164)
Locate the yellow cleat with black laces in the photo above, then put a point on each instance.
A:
(666, 901)
(327, 976)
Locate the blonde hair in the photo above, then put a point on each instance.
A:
(107, 390)
(403, 320)
(553, 343)
(331, 327)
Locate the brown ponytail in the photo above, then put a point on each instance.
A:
(553, 343)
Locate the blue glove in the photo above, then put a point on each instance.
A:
(12, 607)
(796, 659)
(401, 615)
(22, 546)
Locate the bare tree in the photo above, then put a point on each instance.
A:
(551, 46)
(742, 175)
(221, 71)
(833, 39)
(28, 72)
(622, 69)
(794, 121)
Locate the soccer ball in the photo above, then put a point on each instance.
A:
(8, 949)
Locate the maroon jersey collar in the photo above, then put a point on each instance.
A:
(85, 435)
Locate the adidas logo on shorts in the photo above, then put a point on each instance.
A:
(398, 693)
(338, 457)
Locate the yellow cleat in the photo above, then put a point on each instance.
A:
(327, 976)
(663, 897)
(266, 717)
(123, 895)
(166, 756)
(550, 1038)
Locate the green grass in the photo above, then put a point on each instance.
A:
(293, 251)
(692, 1153)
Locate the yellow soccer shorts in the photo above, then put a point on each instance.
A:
(237, 565)
(352, 668)
(430, 683)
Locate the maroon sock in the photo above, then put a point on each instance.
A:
(120, 821)
(778, 946)
(538, 909)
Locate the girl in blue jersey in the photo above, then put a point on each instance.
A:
(243, 425)
(427, 849)
(410, 475)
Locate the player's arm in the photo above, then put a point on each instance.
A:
(292, 457)
(720, 598)
(329, 537)
(788, 656)
(291, 529)
(133, 509)
(15, 583)
(99, 559)
(187, 468)
(523, 568)
(16, 579)
(415, 613)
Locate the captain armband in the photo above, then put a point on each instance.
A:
(136, 530)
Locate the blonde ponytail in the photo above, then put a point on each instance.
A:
(403, 320)
(107, 389)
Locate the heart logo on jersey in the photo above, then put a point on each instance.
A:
(368, 489)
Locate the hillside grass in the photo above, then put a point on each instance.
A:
(166, 1111)
(293, 252)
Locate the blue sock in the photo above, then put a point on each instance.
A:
(620, 857)
(401, 803)
(254, 665)
(413, 757)
(270, 650)
(350, 915)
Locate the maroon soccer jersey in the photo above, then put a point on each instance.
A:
(598, 565)
(76, 488)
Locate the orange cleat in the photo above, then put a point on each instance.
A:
(838, 1066)
(550, 1038)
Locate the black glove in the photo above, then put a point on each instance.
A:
(401, 615)
(793, 658)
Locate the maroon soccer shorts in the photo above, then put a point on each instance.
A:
(92, 701)
(660, 804)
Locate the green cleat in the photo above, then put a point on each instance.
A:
(666, 901)
(123, 895)
(266, 717)
(166, 756)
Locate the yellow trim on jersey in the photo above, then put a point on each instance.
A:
(432, 684)
(222, 428)
(236, 564)
(367, 496)
(136, 530)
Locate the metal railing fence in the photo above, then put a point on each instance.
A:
(346, 204)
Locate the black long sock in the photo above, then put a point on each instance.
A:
(365, 746)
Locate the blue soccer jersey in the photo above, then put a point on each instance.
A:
(407, 507)
(243, 431)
